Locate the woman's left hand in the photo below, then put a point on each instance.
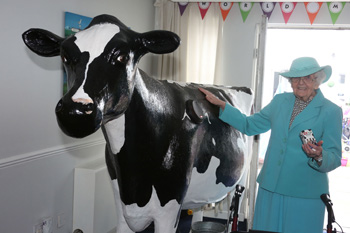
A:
(312, 150)
(213, 99)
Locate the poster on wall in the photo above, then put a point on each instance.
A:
(73, 24)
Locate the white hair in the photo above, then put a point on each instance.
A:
(320, 76)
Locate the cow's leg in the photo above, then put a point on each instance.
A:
(167, 222)
(164, 217)
(122, 226)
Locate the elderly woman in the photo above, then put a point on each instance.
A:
(294, 175)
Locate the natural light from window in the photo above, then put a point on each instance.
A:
(329, 47)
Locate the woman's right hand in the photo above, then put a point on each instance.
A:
(213, 99)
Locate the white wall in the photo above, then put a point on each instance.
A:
(36, 158)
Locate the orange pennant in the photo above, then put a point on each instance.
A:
(225, 8)
(203, 8)
(287, 9)
(312, 9)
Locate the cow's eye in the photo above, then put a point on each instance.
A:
(123, 58)
(116, 56)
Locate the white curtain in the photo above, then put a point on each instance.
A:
(197, 57)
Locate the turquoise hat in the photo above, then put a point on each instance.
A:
(305, 66)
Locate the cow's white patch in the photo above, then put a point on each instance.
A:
(241, 100)
(213, 141)
(95, 38)
(139, 217)
(203, 188)
(115, 133)
(92, 40)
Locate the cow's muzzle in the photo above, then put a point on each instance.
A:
(76, 119)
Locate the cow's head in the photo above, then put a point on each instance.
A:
(100, 63)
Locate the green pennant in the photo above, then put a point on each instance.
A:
(245, 8)
(335, 8)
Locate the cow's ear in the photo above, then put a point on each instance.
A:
(160, 42)
(42, 42)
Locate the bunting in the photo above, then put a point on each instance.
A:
(312, 9)
(335, 8)
(287, 8)
(225, 8)
(182, 7)
(204, 7)
(245, 8)
(267, 8)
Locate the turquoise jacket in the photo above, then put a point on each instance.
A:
(287, 170)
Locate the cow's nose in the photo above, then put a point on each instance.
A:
(82, 100)
(83, 105)
(82, 109)
(76, 119)
(87, 108)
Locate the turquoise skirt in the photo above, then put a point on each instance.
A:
(279, 213)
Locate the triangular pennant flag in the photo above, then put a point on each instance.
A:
(267, 8)
(182, 7)
(335, 8)
(225, 8)
(245, 8)
(203, 7)
(287, 9)
(312, 9)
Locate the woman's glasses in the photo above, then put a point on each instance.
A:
(306, 79)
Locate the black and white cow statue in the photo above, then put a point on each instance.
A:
(166, 149)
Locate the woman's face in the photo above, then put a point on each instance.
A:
(304, 87)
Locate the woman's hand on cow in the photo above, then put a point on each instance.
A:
(213, 99)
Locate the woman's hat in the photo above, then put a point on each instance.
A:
(305, 66)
